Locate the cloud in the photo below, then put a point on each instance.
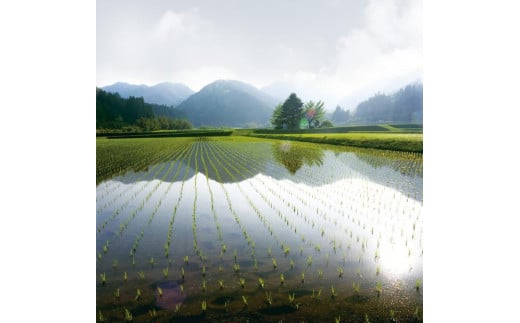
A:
(382, 53)
(200, 76)
(182, 24)
(387, 46)
(329, 51)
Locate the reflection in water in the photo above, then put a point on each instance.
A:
(234, 209)
(294, 156)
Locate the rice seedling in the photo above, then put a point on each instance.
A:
(269, 298)
(141, 275)
(128, 315)
(303, 277)
(417, 284)
(274, 263)
(100, 256)
(269, 252)
(138, 294)
(309, 261)
(186, 259)
(367, 320)
(236, 267)
(355, 287)
(159, 291)
(292, 264)
(182, 273)
(392, 316)
(244, 299)
(340, 271)
(203, 306)
(286, 250)
(204, 285)
(115, 262)
(320, 273)
(221, 284)
(103, 278)
(333, 292)
(262, 283)
(125, 276)
(282, 279)
(379, 288)
(220, 269)
(203, 270)
(242, 282)
(182, 288)
(338, 319)
(378, 270)
(152, 262)
(235, 255)
(318, 296)
(226, 305)
(177, 308)
(116, 293)
(101, 317)
(153, 313)
(416, 313)
(291, 298)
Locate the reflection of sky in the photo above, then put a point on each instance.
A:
(334, 167)
(364, 210)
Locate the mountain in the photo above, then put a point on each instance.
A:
(403, 106)
(163, 93)
(114, 112)
(229, 103)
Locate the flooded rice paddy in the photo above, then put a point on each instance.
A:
(235, 231)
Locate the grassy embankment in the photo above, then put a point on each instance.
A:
(407, 138)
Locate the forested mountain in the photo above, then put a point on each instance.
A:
(405, 105)
(170, 94)
(339, 116)
(115, 112)
(228, 103)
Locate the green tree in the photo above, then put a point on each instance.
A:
(314, 113)
(292, 111)
(340, 116)
(326, 124)
(276, 119)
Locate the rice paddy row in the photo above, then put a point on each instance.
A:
(303, 251)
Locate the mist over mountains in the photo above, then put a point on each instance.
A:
(231, 103)
(166, 93)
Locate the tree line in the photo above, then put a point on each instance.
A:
(294, 114)
(404, 106)
(134, 114)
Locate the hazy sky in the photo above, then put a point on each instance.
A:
(329, 49)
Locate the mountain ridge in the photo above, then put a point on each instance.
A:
(164, 93)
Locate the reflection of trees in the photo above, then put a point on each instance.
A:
(293, 155)
(408, 164)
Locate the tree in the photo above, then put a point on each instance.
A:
(326, 124)
(292, 111)
(314, 113)
(340, 116)
(277, 120)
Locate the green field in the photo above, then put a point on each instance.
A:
(410, 142)
(404, 137)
